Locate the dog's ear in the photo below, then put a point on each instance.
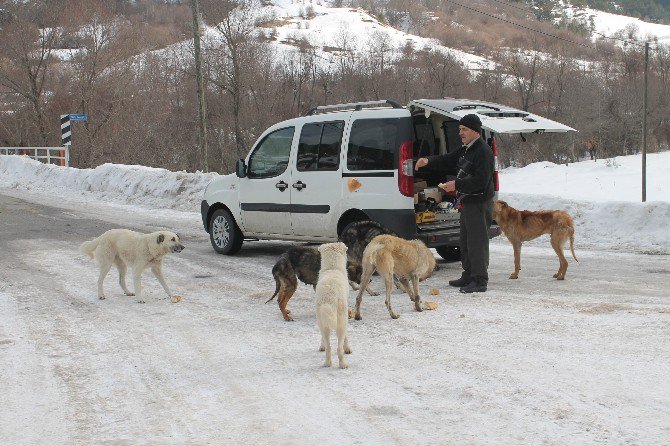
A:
(160, 239)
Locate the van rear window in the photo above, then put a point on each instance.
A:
(374, 143)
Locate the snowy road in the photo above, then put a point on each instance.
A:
(531, 361)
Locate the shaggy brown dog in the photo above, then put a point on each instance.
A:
(409, 260)
(521, 226)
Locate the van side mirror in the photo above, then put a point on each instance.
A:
(241, 169)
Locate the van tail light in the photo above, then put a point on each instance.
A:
(406, 169)
(496, 180)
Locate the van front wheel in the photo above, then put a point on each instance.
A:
(224, 233)
(449, 253)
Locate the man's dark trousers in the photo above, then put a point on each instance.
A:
(475, 222)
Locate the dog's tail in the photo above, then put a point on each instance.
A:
(274, 274)
(89, 247)
(572, 243)
(373, 252)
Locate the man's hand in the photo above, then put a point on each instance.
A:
(420, 163)
(448, 187)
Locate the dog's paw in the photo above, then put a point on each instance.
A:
(141, 301)
(347, 351)
(101, 297)
(395, 315)
(128, 293)
(515, 276)
(350, 313)
(176, 298)
(373, 292)
(322, 348)
(430, 305)
(344, 365)
(288, 318)
(434, 292)
(328, 364)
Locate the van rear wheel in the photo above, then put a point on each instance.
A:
(224, 233)
(449, 253)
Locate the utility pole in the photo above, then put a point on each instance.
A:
(644, 116)
(202, 134)
(644, 122)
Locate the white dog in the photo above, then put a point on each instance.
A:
(122, 247)
(332, 309)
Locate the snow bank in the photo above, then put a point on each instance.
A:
(603, 197)
(117, 183)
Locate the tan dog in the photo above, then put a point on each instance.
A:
(521, 226)
(332, 292)
(409, 260)
(122, 247)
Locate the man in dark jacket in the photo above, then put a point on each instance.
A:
(474, 188)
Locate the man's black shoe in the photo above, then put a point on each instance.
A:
(464, 280)
(473, 287)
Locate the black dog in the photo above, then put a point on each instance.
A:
(304, 263)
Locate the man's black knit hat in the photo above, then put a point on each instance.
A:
(472, 122)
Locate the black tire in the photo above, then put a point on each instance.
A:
(224, 233)
(449, 253)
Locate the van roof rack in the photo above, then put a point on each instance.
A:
(474, 106)
(352, 106)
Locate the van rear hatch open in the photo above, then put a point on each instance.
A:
(495, 118)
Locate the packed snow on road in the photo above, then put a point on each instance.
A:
(531, 361)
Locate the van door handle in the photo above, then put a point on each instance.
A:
(299, 185)
(281, 186)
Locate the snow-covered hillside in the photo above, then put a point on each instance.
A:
(333, 29)
(608, 24)
(603, 196)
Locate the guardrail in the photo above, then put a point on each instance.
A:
(52, 155)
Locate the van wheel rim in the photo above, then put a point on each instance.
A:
(221, 232)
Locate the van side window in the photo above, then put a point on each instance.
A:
(270, 158)
(374, 143)
(319, 147)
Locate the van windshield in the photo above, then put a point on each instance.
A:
(374, 143)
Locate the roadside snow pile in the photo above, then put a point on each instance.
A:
(117, 183)
(605, 180)
(616, 225)
(603, 197)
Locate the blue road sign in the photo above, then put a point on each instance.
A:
(80, 117)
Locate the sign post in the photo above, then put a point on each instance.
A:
(66, 131)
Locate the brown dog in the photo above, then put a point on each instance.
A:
(409, 260)
(521, 226)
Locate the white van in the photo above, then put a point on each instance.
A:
(307, 178)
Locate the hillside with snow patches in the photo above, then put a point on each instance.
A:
(609, 24)
(602, 196)
(331, 30)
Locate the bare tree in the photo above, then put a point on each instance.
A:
(26, 50)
